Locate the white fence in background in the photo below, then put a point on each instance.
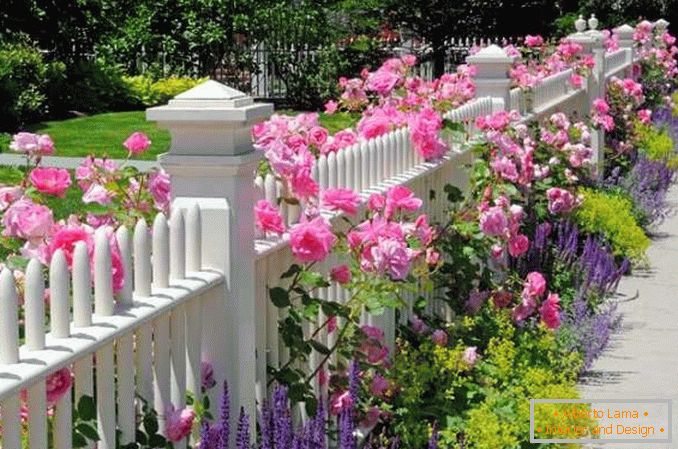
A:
(197, 286)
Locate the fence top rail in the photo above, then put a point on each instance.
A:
(34, 366)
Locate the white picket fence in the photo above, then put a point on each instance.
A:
(196, 287)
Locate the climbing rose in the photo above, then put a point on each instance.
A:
(267, 218)
(178, 423)
(550, 311)
(8, 195)
(27, 220)
(382, 81)
(340, 401)
(312, 240)
(32, 144)
(389, 256)
(160, 188)
(400, 197)
(86, 171)
(372, 331)
(51, 181)
(58, 384)
(98, 194)
(534, 41)
(470, 356)
(560, 200)
(343, 200)
(645, 115)
(601, 106)
(341, 274)
(493, 222)
(535, 285)
(518, 245)
(331, 107)
(137, 143)
(439, 337)
(379, 385)
(418, 325)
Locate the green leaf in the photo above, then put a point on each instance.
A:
(279, 297)
(311, 405)
(321, 348)
(87, 408)
(313, 279)
(291, 271)
(150, 424)
(157, 441)
(206, 402)
(88, 431)
(78, 440)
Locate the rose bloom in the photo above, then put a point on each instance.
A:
(560, 200)
(51, 181)
(267, 218)
(535, 284)
(470, 356)
(340, 401)
(32, 144)
(341, 274)
(493, 222)
(26, 220)
(534, 41)
(550, 311)
(317, 136)
(439, 337)
(518, 245)
(137, 143)
(312, 240)
(331, 107)
(400, 198)
(8, 195)
(161, 190)
(379, 385)
(98, 194)
(65, 238)
(372, 331)
(342, 200)
(178, 423)
(58, 384)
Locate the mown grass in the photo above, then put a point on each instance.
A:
(101, 134)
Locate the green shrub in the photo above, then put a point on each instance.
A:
(143, 91)
(656, 144)
(24, 76)
(89, 87)
(611, 215)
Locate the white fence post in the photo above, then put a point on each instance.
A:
(625, 35)
(211, 161)
(592, 41)
(492, 76)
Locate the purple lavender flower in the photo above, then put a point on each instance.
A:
(347, 439)
(282, 419)
(433, 441)
(242, 439)
(224, 418)
(266, 426)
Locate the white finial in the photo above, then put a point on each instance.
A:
(580, 24)
(661, 24)
(593, 22)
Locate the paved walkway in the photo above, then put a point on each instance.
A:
(642, 359)
(68, 162)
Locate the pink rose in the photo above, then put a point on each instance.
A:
(376, 202)
(400, 198)
(331, 324)
(65, 237)
(8, 195)
(409, 60)
(534, 41)
(207, 375)
(137, 143)
(339, 401)
(439, 337)
(317, 136)
(601, 106)
(98, 194)
(371, 418)
(418, 325)
(161, 190)
(535, 284)
(344, 138)
(86, 171)
(58, 384)
(382, 81)
(560, 200)
(372, 332)
(379, 385)
(502, 299)
(342, 200)
(312, 240)
(518, 245)
(389, 256)
(26, 220)
(267, 218)
(550, 311)
(493, 222)
(645, 115)
(331, 107)
(32, 144)
(341, 274)
(178, 423)
(50, 181)
(470, 356)
(576, 80)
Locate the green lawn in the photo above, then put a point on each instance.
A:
(101, 134)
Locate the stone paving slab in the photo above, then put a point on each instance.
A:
(70, 162)
(642, 359)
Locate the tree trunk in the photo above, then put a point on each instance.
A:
(438, 59)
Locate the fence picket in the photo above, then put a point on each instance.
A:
(177, 246)
(59, 287)
(82, 287)
(34, 307)
(11, 420)
(160, 255)
(142, 260)
(125, 244)
(103, 279)
(9, 320)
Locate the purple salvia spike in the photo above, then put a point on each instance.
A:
(266, 426)
(243, 432)
(206, 440)
(224, 419)
(282, 421)
(433, 441)
(395, 444)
